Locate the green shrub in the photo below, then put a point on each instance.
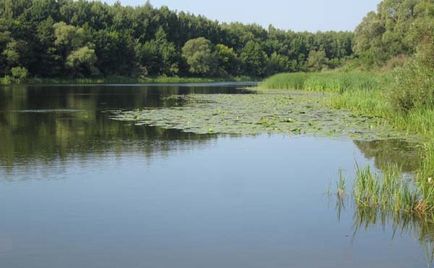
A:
(19, 74)
(6, 80)
(413, 87)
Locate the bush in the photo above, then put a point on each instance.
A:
(6, 80)
(413, 87)
(19, 74)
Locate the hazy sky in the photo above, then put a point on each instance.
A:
(299, 15)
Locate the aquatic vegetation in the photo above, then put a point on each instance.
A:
(390, 198)
(277, 112)
(389, 191)
(341, 186)
(389, 194)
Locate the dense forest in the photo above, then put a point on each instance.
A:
(66, 38)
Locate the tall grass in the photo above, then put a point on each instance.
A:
(338, 82)
(404, 99)
(391, 192)
(405, 106)
(366, 102)
(285, 81)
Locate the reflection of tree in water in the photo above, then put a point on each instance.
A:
(395, 152)
(62, 138)
(47, 124)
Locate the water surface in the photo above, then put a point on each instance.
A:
(80, 190)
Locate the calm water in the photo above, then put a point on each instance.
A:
(80, 190)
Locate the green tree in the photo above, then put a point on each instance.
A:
(253, 59)
(278, 63)
(199, 56)
(317, 60)
(82, 61)
(79, 55)
(19, 74)
(41, 35)
(395, 29)
(227, 59)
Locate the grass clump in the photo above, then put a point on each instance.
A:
(390, 192)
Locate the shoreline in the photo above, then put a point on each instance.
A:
(130, 81)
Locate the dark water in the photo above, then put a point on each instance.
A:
(80, 190)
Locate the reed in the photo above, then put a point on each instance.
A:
(391, 192)
(337, 82)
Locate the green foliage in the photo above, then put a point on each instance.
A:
(147, 41)
(200, 56)
(317, 60)
(99, 79)
(253, 59)
(327, 81)
(413, 87)
(158, 56)
(227, 59)
(414, 82)
(68, 36)
(82, 60)
(19, 74)
(395, 29)
(278, 63)
(285, 81)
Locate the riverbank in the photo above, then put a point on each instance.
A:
(363, 93)
(397, 99)
(124, 80)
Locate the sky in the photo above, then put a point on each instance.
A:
(297, 15)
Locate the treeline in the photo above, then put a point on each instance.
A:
(66, 38)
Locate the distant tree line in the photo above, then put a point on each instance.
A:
(52, 38)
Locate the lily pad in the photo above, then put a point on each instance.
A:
(274, 112)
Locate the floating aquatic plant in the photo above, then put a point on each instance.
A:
(274, 112)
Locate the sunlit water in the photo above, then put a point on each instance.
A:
(80, 190)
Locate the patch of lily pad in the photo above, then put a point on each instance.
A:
(272, 112)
